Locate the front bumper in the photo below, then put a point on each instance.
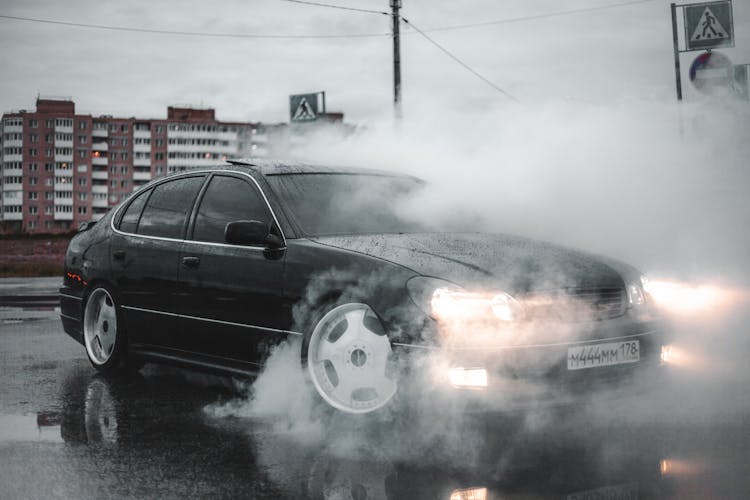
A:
(533, 375)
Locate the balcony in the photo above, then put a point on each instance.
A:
(64, 128)
(100, 203)
(141, 134)
(64, 158)
(13, 128)
(63, 215)
(99, 160)
(100, 132)
(17, 143)
(63, 172)
(63, 202)
(142, 162)
(60, 186)
(63, 144)
(12, 157)
(13, 216)
(13, 201)
(100, 174)
(98, 188)
(146, 148)
(141, 176)
(100, 146)
(13, 186)
(13, 171)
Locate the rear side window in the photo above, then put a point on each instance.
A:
(129, 221)
(168, 208)
(228, 199)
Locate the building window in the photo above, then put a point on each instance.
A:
(83, 139)
(33, 137)
(159, 142)
(81, 125)
(49, 167)
(81, 210)
(32, 152)
(49, 195)
(159, 129)
(32, 224)
(82, 153)
(33, 195)
(124, 156)
(49, 138)
(114, 141)
(34, 123)
(32, 167)
(124, 127)
(113, 183)
(48, 152)
(159, 156)
(48, 209)
(32, 181)
(82, 196)
(123, 169)
(123, 183)
(48, 224)
(50, 123)
(33, 210)
(82, 181)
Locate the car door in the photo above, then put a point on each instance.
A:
(145, 250)
(230, 295)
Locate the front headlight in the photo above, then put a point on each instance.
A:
(636, 295)
(446, 301)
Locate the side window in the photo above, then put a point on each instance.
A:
(168, 208)
(129, 220)
(228, 199)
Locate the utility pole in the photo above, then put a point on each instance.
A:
(396, 22)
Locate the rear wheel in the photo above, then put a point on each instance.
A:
(103, 332)
(348, 356)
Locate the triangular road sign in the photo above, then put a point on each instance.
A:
(708, 28)
(303, 111)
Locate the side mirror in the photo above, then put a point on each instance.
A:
(250, 232)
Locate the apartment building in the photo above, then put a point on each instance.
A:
(59, 168)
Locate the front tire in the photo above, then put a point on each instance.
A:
(348, 359)
(104, 332)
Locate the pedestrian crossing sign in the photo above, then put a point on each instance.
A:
(708, 25)
(304, 107)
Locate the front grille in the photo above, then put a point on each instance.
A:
(575, 304)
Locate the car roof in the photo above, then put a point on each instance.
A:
(277, 167)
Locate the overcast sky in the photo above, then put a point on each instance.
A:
(595, 56)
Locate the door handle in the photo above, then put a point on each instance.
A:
(119, 254)
(192, 262)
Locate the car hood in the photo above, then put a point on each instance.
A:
(515, 264)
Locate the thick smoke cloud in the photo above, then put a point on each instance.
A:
(655, 185)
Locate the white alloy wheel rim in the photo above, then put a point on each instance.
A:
(100, 326)
(347, 359)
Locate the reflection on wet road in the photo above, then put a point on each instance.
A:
(67, 432)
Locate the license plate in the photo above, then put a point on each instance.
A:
(607, 354)
(627, 491)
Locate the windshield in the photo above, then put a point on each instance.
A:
(330, 204)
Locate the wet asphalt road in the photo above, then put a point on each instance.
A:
(66, 432)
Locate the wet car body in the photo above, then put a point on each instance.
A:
(220, 306)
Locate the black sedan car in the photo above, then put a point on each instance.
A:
(211, 269)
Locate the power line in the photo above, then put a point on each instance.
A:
(332, 6)
(535, 16)
(459, 61)
(192, 33)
